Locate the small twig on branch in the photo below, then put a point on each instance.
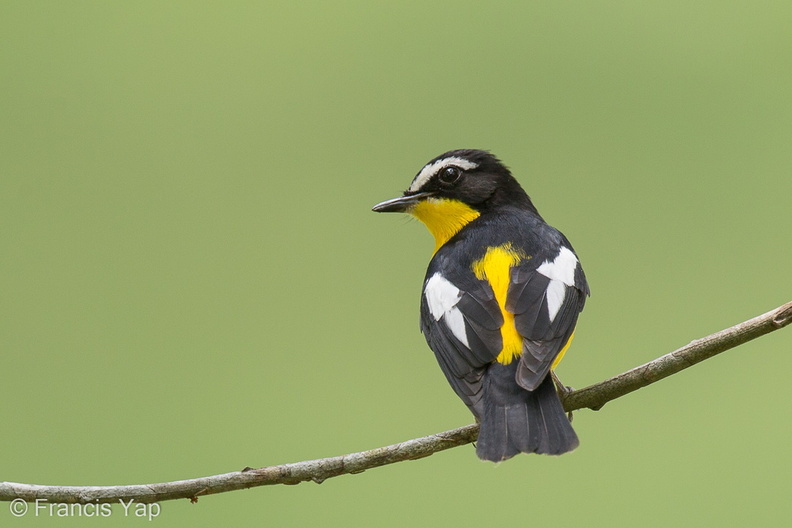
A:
(593, 397)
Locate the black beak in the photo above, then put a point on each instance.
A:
(400, 204)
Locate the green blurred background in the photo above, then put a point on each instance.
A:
(192, 281)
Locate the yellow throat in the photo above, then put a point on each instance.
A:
(444, 218)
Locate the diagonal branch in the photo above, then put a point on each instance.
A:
(592, 397)
(597, 395)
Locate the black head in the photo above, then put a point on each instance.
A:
(474, 177)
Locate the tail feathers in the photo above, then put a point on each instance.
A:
(519, 421)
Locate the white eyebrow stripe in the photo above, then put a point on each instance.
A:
(433, 168)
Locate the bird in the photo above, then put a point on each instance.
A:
(500, 300)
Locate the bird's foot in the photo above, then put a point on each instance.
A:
(563, 391)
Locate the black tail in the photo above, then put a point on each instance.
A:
(519, 421)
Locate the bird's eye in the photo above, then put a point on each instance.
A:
(450, 175)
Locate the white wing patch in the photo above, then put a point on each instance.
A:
(561, 272)
(442, 298)
(433, 168)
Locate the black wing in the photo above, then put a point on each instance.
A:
(471, 310)
(546, 300)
